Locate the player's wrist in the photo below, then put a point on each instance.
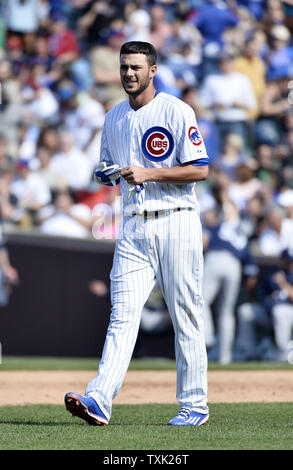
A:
(151, 175)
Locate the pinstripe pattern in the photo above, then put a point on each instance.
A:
(167, 250)
(121, 143)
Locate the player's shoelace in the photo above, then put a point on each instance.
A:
(184, 413)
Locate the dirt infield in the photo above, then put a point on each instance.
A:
(49, 387)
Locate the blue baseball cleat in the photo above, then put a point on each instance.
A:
(187, 417)
(85, 408)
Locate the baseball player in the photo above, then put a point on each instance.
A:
(152, 145)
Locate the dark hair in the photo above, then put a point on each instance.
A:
(140, 47)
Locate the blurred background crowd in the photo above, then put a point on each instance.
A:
(232, 61)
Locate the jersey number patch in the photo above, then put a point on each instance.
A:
(157, 144)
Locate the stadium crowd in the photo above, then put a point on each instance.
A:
(232, 61)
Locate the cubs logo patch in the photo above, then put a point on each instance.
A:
(157, 144)
(194, 136)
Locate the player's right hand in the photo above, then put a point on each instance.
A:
(135, 175)
(107, 175)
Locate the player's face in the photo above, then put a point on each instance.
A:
(135, 73)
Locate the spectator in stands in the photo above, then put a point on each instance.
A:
(22, 16)
(70, 163)
(267, 313)
(138, 26)
(5, 157)
(232, 156)
(65, 216)
(231, 98)
(51, 70)
(281, 297)
(287, 8)
(212, 31)
(277, 233)
(255, 7)
(62, 41)
(280, 57)
(11, 212)
(285, 200)
(274, 14)
(41, 103)
(184, 66)
(161, 29)
(245, 186)
(12, 112)
(235, 38)
(44, 171)
(65, 49)
(254, 322)
(266, 163)
(30, 190)
(273, 108)
(105, 66)
(250, 63)
(15, 53)
(94, 20)
(252, 217)
(85, 118)
(49, 138)
(44, 10)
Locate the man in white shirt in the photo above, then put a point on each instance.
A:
(71, 164)
(22, 16)
(230, 97)
(31, 190)
(277, 235)
(65, 217)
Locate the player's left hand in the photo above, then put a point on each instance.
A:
(107, 175)
(134, 174)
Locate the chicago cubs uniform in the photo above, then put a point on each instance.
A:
(159, 241)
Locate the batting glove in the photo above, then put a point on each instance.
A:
(108, 175)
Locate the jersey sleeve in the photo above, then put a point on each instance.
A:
(105, 155)
(191, 147)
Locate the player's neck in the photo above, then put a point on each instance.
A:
(142, 99)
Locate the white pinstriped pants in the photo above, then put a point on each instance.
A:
(168, 249)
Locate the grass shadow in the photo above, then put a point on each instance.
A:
(38, 423)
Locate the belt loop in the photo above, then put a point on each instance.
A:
(145, 214)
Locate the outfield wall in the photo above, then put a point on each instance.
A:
(52, 312)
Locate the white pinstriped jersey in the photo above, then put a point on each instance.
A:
(166, 249)
(162, 134)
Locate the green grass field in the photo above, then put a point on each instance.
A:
(65, 363)
(249, 426)
(143, 427)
